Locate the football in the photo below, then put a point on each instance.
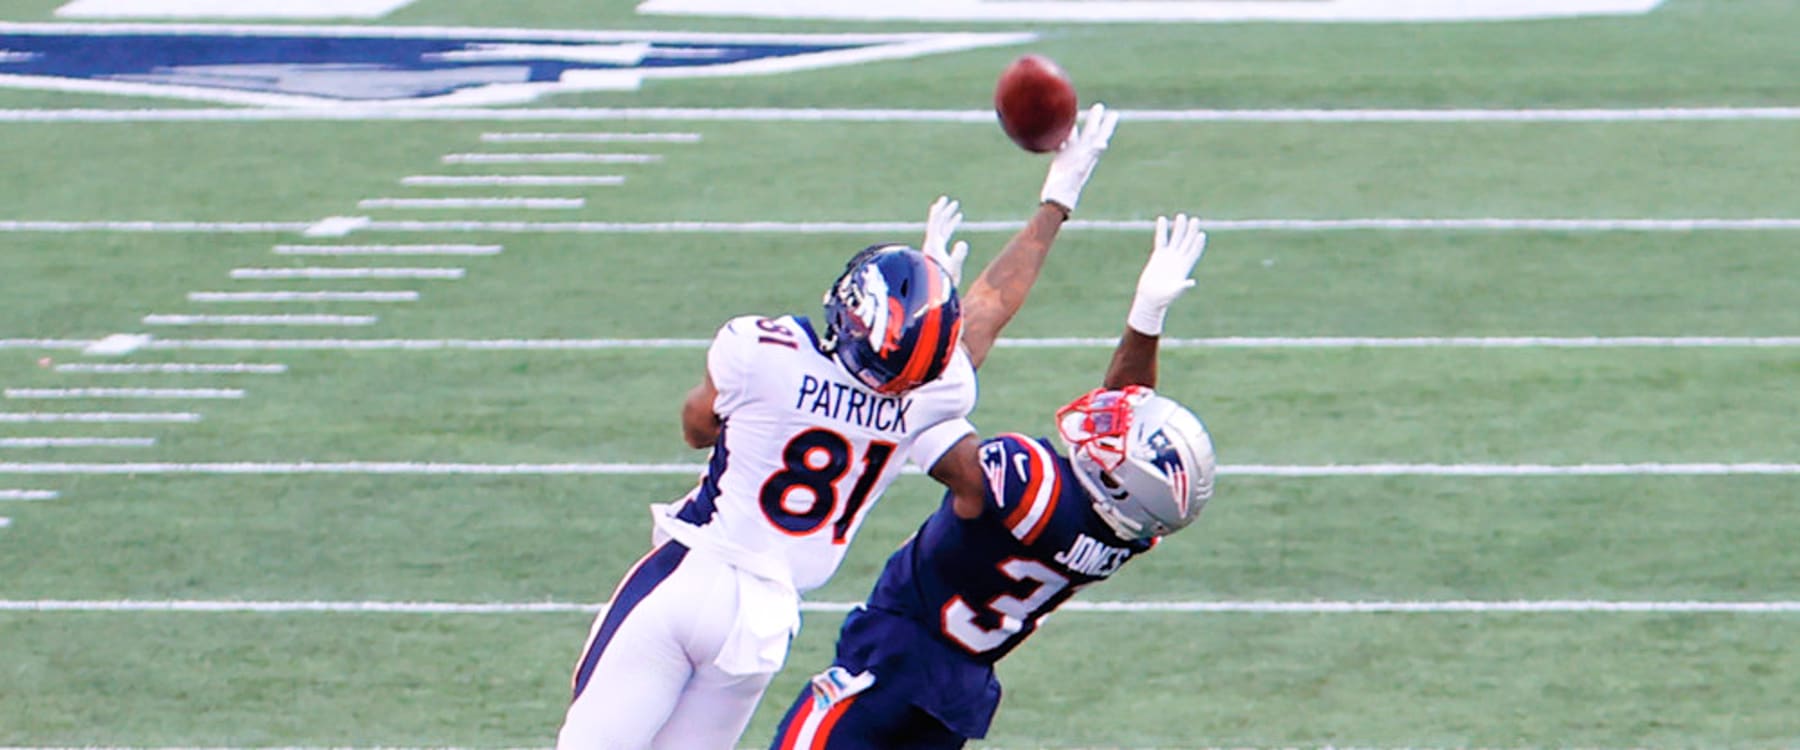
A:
(1036, 103)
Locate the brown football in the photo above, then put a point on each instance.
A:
(1036, 103)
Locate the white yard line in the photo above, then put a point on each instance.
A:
(260, 320)
(76, 442)
(590, 137)
(413, 468)
(1516, 606)
(1487, 224)
(1639, 342)
(159, 227)
(360, 250)
(1218, 225)
(101, 417)
(524, 180)
(336, 226)
(527, 204)
(128, 393)
(117, 345)
(174, 368)
(1228, 342)
(348, 273)
(29, 495)
(551, 158)
(970, 116)
(396, 296)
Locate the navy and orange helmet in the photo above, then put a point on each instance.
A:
(893, 318)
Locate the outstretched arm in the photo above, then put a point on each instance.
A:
(1174, 252)
(991, 301)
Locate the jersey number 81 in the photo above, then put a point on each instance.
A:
(813, 462)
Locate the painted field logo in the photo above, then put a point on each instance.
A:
(347, 65)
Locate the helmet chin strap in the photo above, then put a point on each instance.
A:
(1125, 528)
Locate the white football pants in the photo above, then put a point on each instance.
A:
(647, 678)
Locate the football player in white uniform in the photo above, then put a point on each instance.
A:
(806, 432)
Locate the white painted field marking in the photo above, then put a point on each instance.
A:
(590, 137)
(1583, 342)
(889, 227)
(949, 116)
(45, 343)
(1325, 607)
(26, 496)
(552, 158)
(1217, 225)
(260, 320)
(174, 368)
(156, 227)
(407, 468)
(348, 273)
(528, 204)
(5, 523)
(523, 180)
(357, 250)
(99, 417)
(1229, 342)
(399, 296)
(230, 8)
(149, 393)
(1153, 11)
(1432, 342)
(76, 442)
(336, 226)
(117, 344)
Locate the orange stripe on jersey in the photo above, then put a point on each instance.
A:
(823, 736)
(1043, 521)
(1034, 478)
(791, 740)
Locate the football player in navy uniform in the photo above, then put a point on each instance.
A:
(807, 429)
(1022, 528)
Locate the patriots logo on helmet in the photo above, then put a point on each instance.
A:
(1165, 457)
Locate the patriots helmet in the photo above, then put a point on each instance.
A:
(893, 318)
(1146, 462)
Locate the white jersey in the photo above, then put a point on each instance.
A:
(805, 449)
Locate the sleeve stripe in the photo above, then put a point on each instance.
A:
(1039, 502)
(1032, 479)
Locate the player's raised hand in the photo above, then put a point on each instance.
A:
(1074, 163)
(940, 223)
(1177, 248)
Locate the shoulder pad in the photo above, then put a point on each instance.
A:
(1023, 483)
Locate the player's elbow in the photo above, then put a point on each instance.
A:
(702, 435)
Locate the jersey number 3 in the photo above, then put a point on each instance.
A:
(813, 462)
(960, 618)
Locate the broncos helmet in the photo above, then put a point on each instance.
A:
(893, 318)
(1146, 462)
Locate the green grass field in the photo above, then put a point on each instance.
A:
(85, 675)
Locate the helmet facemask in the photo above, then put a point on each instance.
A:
(1146, 463)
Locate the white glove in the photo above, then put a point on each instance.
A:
(945, 217)
(1165, 277)
(1074, 163)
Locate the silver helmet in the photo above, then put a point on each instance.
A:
(1146, 462)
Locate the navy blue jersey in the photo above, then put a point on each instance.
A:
(982, 584)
